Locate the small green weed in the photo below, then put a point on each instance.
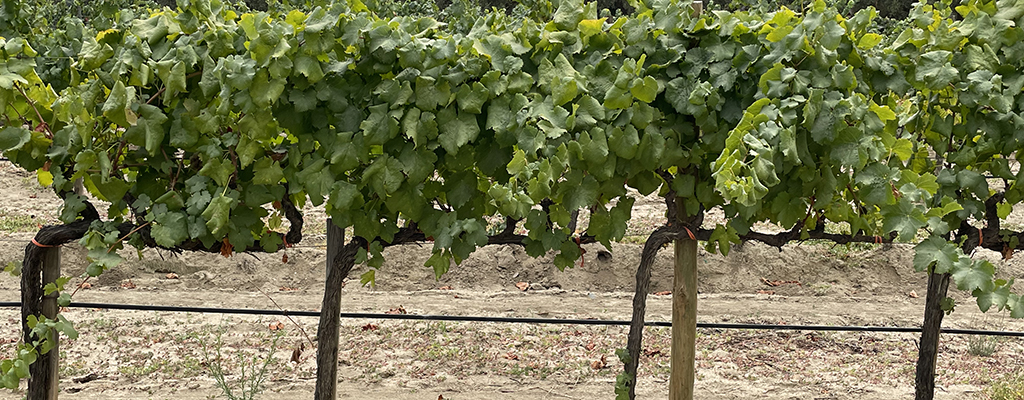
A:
(253, 370)
(17, 223)
(1009, 387)
(982, 346)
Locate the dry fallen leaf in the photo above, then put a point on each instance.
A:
(399, 310)
(370, 327)
(284, 258)
(127, 284)
(913, 294)
(523, 286)
(780, 282)
(440, 397)
(599, 364)
(663, 293)
(171, 275)
(765, 292)
(511, 356)
(297, 353)
(651, 353)
(590, 346)
(85, 285)
(276, 326)
(87, 378)
(446, 287)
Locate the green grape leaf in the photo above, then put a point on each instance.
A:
(999, 296)
(155, 28)
(439, 263)
(116, 107)
(471, 98)
(368, 278)
(645, 90)
(935, 70)
(380, 126)
(267, 172)
(169, 228)
(578, 191)
(13, 138)
(345, 196)
(151, 122)
(624, 142)
(456, 129)
(93, 54)
(384, 175)
(903, 218)
(265, 90)
(216, 215)
(219, 170)
(869, 40)
(936, 252)
(568, 15)
(309, 67)
(974, 275)
(1003, 210)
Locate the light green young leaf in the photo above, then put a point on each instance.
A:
(645, 90)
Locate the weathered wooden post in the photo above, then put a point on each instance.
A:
(928, 353)
(43, 384)
(684, 316)
(330, 317)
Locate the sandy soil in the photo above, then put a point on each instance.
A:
(141, 355)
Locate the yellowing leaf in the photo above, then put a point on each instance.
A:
(779, 33)
(357, 6)
(1003, 209)
(903, 149)
(869, 40)
(45, 178)
(884, 113)
(591, 27)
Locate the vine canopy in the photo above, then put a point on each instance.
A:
(205, 127)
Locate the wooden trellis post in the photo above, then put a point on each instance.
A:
(684, 317)
(43, 384)
(330, 318)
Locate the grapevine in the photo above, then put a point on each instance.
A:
(192, 123)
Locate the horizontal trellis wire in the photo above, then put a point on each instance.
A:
(461, 318)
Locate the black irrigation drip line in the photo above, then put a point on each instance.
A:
(460, 318)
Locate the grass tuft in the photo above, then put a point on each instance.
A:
(982, 346)
(17, 223)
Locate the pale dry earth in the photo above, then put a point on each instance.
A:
(159, 355)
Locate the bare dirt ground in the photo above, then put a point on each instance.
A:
(163, 355)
